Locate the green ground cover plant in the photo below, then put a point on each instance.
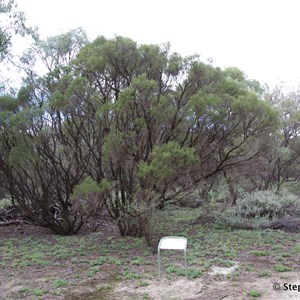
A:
(67, 262)
(254, 294)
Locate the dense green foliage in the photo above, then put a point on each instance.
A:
(130, 127)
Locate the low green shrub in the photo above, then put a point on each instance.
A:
(268, 204)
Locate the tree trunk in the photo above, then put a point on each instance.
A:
(130, 226)
(231, 189)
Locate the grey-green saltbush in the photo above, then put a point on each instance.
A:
(267, 204)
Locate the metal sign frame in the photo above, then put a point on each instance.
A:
(172, 243)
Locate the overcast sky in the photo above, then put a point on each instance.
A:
(261, 37)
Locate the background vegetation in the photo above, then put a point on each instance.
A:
(122, 129)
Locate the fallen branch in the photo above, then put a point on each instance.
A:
(291, 224)
(12, 222)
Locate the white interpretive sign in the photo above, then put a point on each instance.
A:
(172, 243)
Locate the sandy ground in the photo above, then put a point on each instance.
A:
(209, 288)
(217, 284)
